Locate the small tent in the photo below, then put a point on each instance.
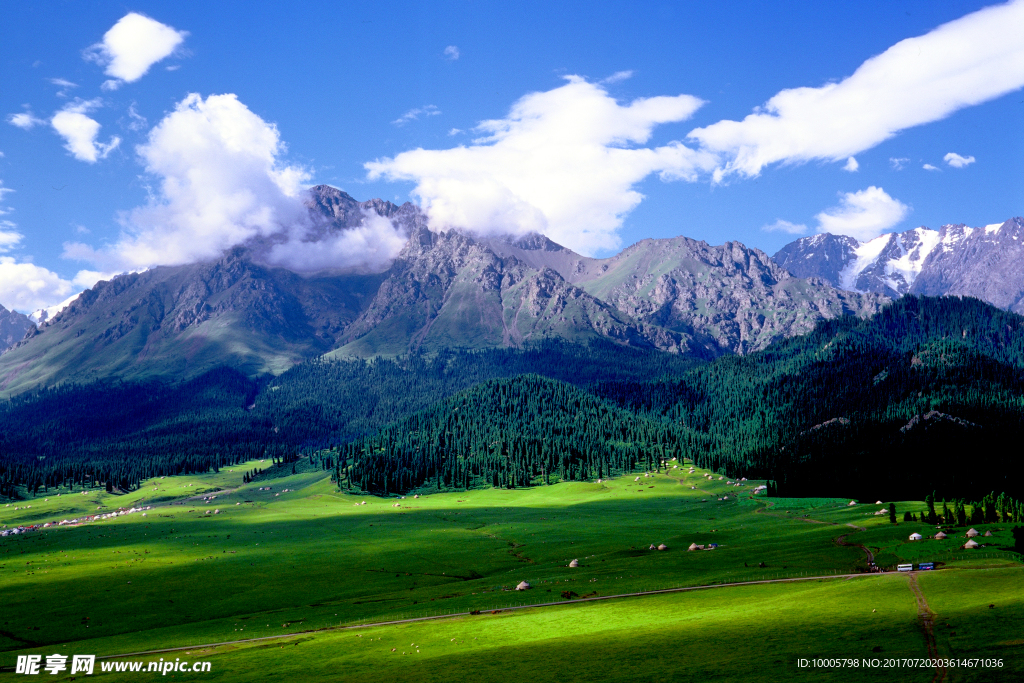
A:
(694, 546)
(878, 502)
(662, 547)
(916, 537)
(574, 563)
(971, 544)
(940, 535)
(971, 533)
(652, 547)
(523, 586)
(988, 533)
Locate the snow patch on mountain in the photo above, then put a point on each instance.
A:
(912, 260)
(43, 315)
(864, 255)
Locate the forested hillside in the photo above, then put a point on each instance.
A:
(923, 396)
(508, 433)
(121, 432)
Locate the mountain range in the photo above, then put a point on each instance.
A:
(954, 260)
(454, 290)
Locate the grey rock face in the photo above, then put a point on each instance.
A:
(448, 289)
(823, 255)
(986, 263)
(729, 296)
(13, 328)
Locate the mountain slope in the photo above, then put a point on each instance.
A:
(181, 321)
(728, 296)
(449, 290)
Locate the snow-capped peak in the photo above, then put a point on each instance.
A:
(893, 261)
(41, 316)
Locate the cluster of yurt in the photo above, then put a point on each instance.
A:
(695, 546)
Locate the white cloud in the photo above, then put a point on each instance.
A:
(451, 52)
(563, 162)
(24, 120)
(863, 215)
(9, 236)
(898, 163)
(618, 76)
(136, 120)
(929, 167)
(413, 114)
(455, 131)
(26, 286)
(80, 132)
(370, 246)
(132, 45)
(785, 226)
(65, 86)
(851, 165)
(957, 161)
(221, 183)
(918, 80)
(84, 279)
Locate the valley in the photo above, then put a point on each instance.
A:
(288, 556)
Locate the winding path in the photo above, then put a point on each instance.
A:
(927, 619)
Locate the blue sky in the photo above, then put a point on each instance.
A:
(346, 94)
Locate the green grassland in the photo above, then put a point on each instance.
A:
(302, 556)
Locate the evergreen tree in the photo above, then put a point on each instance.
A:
(929, 500)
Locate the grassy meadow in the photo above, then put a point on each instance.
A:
(290, 553)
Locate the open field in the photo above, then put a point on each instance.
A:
(302, 556)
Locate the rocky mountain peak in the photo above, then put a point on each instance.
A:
(13, 328)
(955, 259)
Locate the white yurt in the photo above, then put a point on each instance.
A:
(916, 537)
(971, 544)
(987, 533)
(694, 546)
(971, 533)
(574, 563)
(523, 586)
(662, 547)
